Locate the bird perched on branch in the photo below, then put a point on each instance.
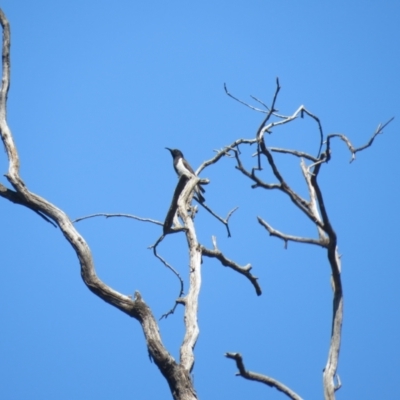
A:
(182, 167)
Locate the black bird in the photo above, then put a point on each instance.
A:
(182, 167)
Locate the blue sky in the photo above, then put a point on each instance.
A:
(98, 90)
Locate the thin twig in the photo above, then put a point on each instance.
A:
(107, 215)
(225, 221)
(171, 268)
(274, 114)
(262, 129)
(241, 101)
(176, 273)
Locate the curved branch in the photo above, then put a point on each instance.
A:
(263, 128)
(6, 135)
(15, 198)
(352, 149)
(39, 204)
(172, 269)
(253, 376)
(321, 133)
(226, 262)
(177, 377)
(181, 290)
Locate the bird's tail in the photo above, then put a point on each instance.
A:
(198, 191)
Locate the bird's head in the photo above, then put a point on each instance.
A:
(175, 152)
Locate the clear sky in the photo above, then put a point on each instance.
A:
(98, 89)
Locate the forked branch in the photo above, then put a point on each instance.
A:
(314, 208)
(352, 149)
(178, 376)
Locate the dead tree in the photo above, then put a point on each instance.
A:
(177, 373)
(180, 219)
(313, 208)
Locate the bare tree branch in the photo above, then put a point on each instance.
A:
(259, 101)
(296, 153)
(15, 198)
(253, 376)
(275, 114)
(180, 218)
(242, 102)
(315, 210)
(289, 238)
(313, 203)
(224, 152)
(177, 375)
(263, 128)
(330, 370)
(176, 273)
(107, 215)
(192, 297)
(252, 107)
(321, 133)
(253, 176)
(226, 262)
(301, 203)
(354, 150)
(225, 221)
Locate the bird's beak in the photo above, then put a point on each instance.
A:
(169, 149)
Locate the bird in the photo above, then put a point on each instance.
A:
(182, 167)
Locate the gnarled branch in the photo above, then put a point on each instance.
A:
(176, 374)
